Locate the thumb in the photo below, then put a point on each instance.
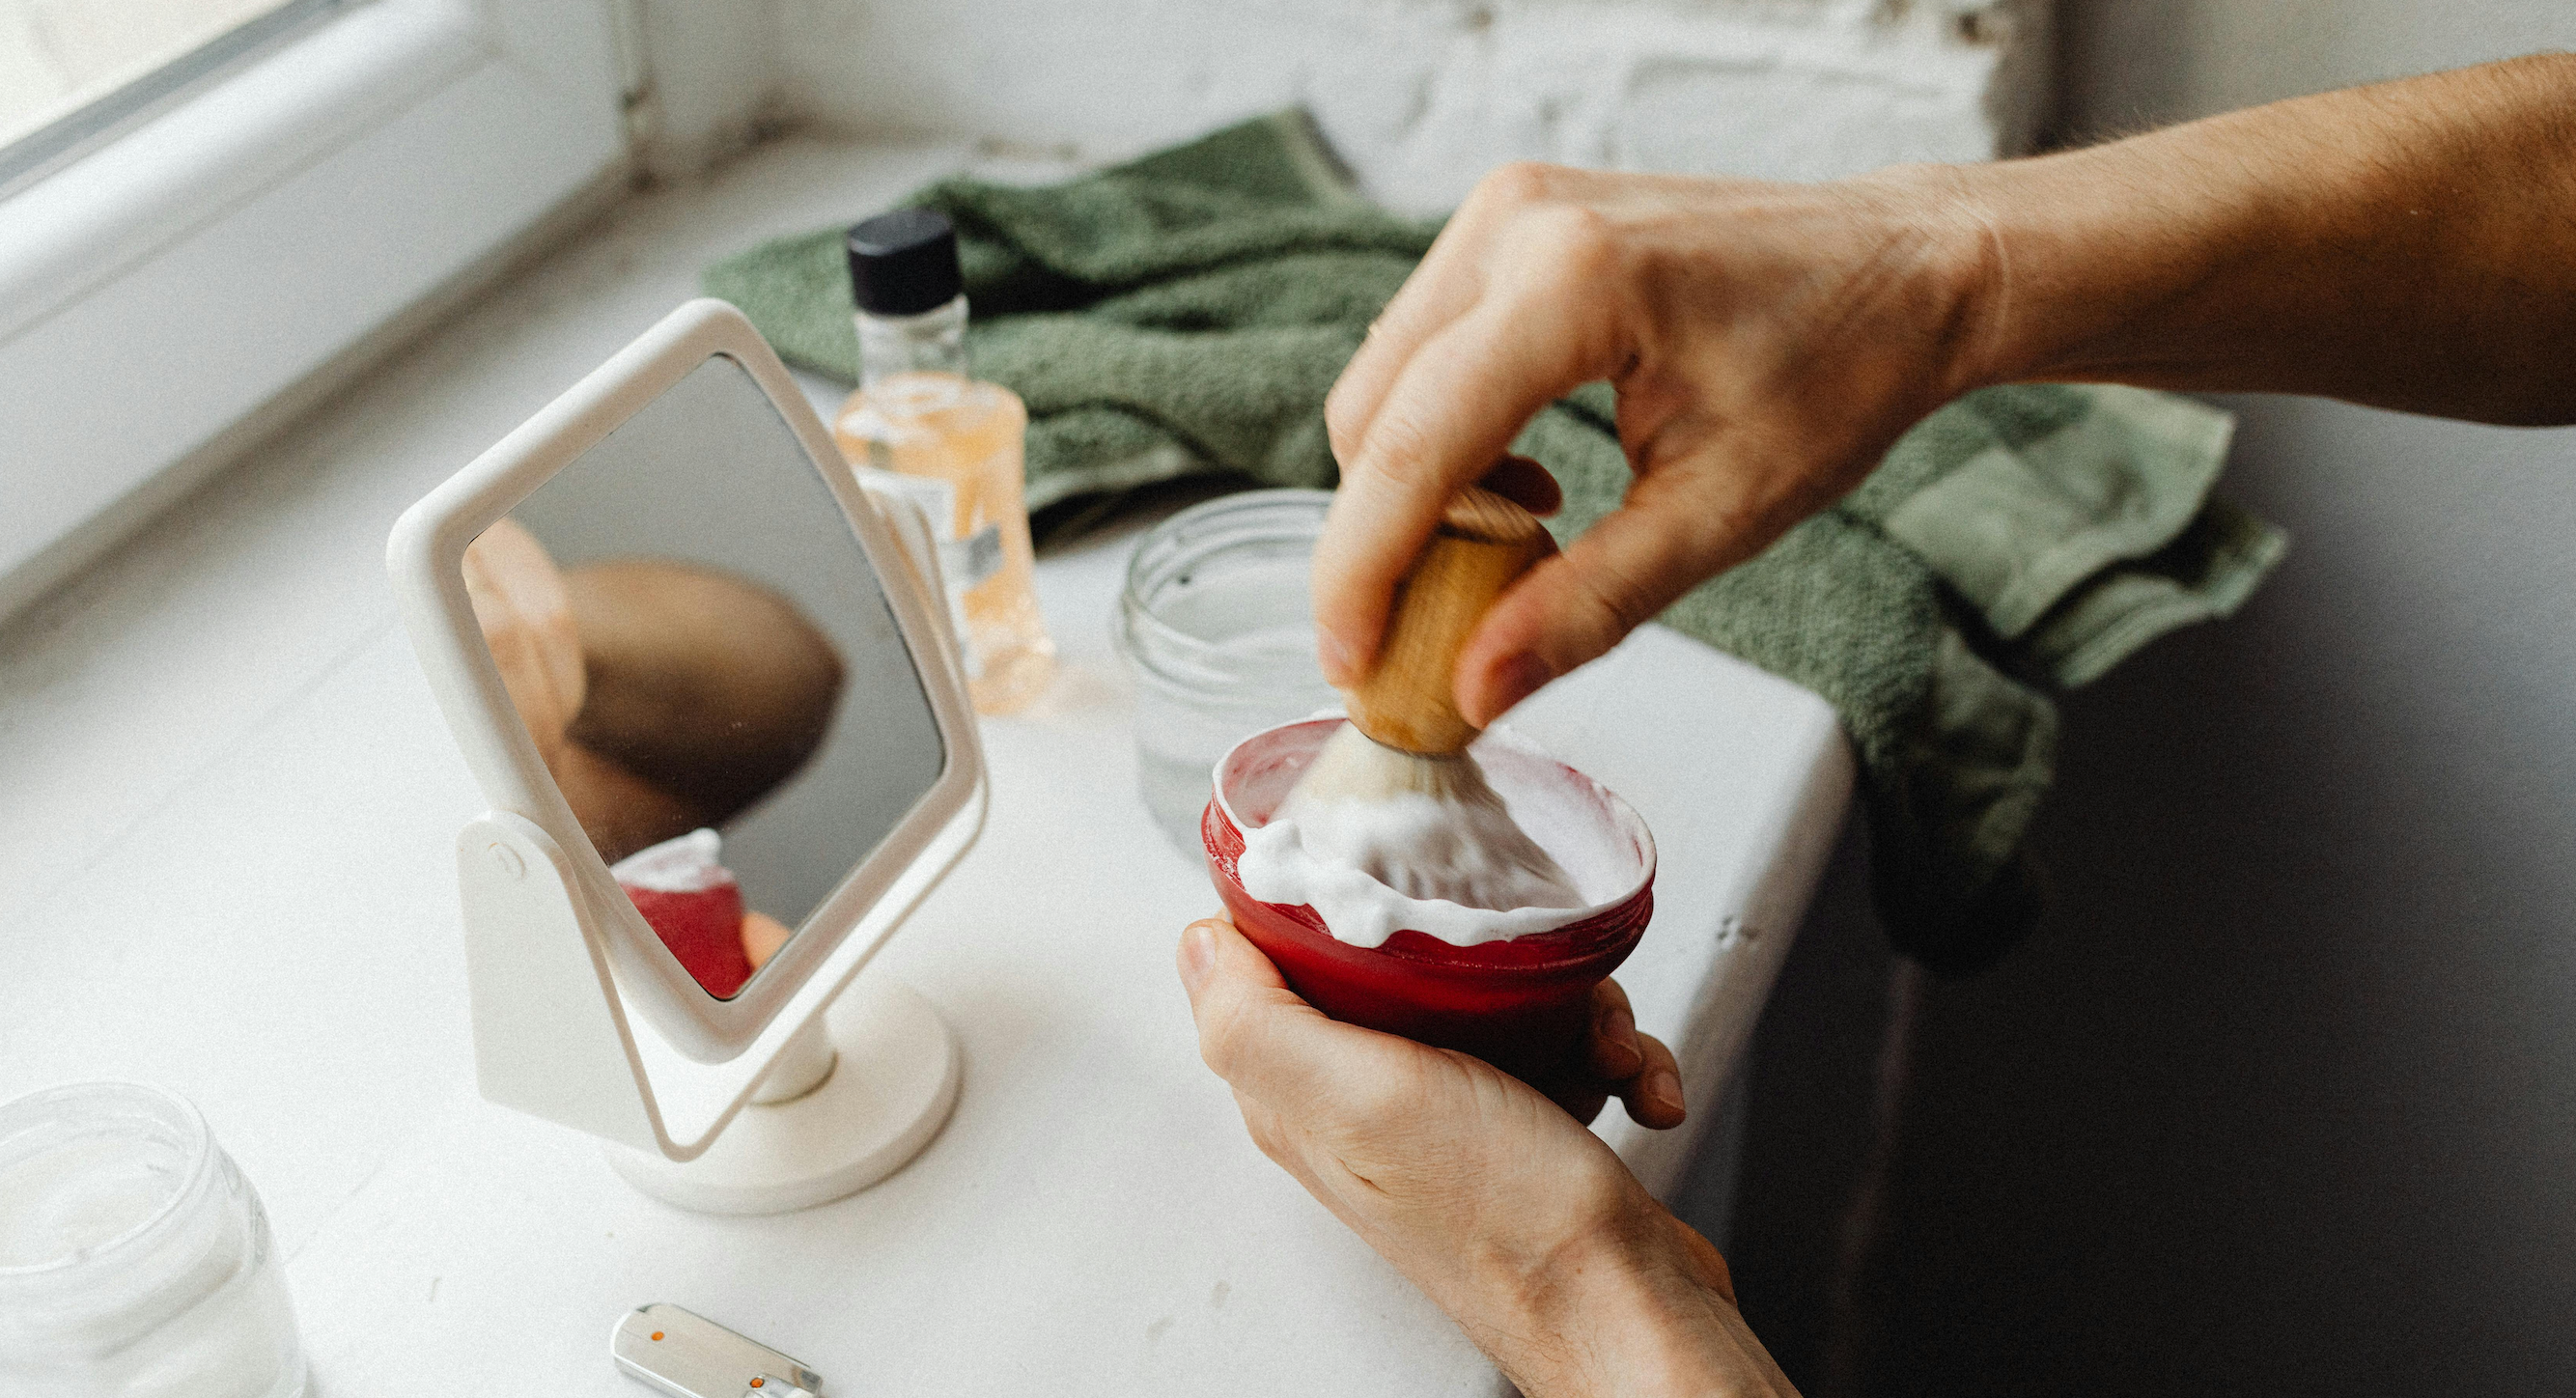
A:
(1255, 1032)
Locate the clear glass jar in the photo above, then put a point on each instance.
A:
(134, 1258)
(1218, 628)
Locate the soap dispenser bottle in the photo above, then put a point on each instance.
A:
(956, 442)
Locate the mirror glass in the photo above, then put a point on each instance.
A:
(706, 661)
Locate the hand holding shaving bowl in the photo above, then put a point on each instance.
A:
(1412, 1000)
(1383, 865)
(1512, 1218)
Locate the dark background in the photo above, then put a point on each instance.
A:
(2282, 1097)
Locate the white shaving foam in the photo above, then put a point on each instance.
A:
(1595, 838)
(684, 864)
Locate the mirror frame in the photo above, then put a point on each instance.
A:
(425, 558)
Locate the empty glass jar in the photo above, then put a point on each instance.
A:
(1219, 630)
(134, 1258)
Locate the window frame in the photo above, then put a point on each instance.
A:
(162, 288)
(103, 115)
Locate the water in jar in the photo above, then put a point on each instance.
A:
(1219, 629)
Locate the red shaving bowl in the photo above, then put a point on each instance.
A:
(1521, 1005)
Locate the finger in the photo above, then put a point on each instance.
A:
(1257, 1035)
(1614, 1054)
(762, 936)
(1449, 281)
(1517, 478)
(527, 619)
(1525, 483)
(1654, 1096)
(1439, 291)
(1454, 409)
(1618, 575)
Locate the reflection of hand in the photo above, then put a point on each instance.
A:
(526, 615)
(1515, 1220)
(526, 612)
(762, 936)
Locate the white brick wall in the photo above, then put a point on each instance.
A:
(1422, 96)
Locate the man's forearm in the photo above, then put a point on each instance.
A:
(2410, 245)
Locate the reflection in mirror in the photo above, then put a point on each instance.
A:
(708, 667)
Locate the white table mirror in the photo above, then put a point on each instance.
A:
(707, 683)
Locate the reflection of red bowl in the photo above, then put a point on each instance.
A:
(1520, 1004)
(703, 928)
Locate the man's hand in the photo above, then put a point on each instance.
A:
(2406, 245)
(1768, 343)
(1515, 1220)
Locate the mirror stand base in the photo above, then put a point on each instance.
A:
(888, 1094)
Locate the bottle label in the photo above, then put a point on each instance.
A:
(968, 562)
(937, 500)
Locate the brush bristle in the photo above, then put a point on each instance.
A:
(1352, 766)
(1427, 827)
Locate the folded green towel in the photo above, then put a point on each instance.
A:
(1184, 314)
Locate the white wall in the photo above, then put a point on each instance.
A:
(1422, 96)
(2132, 63)
(712, 78)
(2283, 1097)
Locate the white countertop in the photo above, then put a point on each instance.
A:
(227, 807)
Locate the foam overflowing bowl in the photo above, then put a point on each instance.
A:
(1513, 988)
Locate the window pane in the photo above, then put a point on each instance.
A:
(70, 69)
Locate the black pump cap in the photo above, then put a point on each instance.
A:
(904, 263)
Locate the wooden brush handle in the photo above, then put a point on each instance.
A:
(1409, 700)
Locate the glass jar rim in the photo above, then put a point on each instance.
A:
(1135, 616)
(195, 1138)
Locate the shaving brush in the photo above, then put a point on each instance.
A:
(1394, 793)
(1408, 701)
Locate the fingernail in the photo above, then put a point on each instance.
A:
(1198, 956)
(1516, 679)
(1336, 658)
(1664, 1089)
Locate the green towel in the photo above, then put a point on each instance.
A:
(1184, 314)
